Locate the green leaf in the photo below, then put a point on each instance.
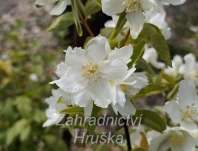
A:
(137, 52)
(173, 92)
(16, 130)
(153, 35)
(73, 110)
(92, 7)
(64, 20)
(25, 133)
(142, 64)
(119, 26)
(150, 90)
(152, 119)
(76, 17)
(23, 105)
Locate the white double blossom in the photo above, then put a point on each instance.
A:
(176, 139)
(55, 7)
(90, 74)
(57, 103)
(184, 110)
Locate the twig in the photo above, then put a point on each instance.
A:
(126, 130)
(85, 24)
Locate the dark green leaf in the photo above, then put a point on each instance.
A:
(152, 119)
(76, 17)
(154, 36)
(137, 52)
(150, 90)
(119, 26)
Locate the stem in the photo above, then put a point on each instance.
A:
(126, 130)
(119, 26)
(125, 40)
(82, 14)
(85, 24)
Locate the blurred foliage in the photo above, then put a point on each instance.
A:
(24, 78)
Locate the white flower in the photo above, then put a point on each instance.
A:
(186, 67)
(151, 56)
(190, 68)
(135, 10)
(57, 103)
(175, 139)
(89, 74)
(55, 7)
(174, 71)
(184, 111)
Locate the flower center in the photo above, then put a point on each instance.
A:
(190, 113)
(124, 87)
(132, 5)
(89, 70)
(177, 138)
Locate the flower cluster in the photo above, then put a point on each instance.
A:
(105, 73)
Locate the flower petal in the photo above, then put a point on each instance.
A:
(59, 8)
(114, 70)
(81, 99)
(53, 117)
(123, 53)
(68, 85)
(188, 143)
(75, 57)
(172, 108)
(136, 21)
(120, 97)
(101, 93)
(112, 7)
(98, 48)
(127, 110)
(151, 56)
(61, 69)
(187, 94)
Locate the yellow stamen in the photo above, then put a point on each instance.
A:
(89, 70)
